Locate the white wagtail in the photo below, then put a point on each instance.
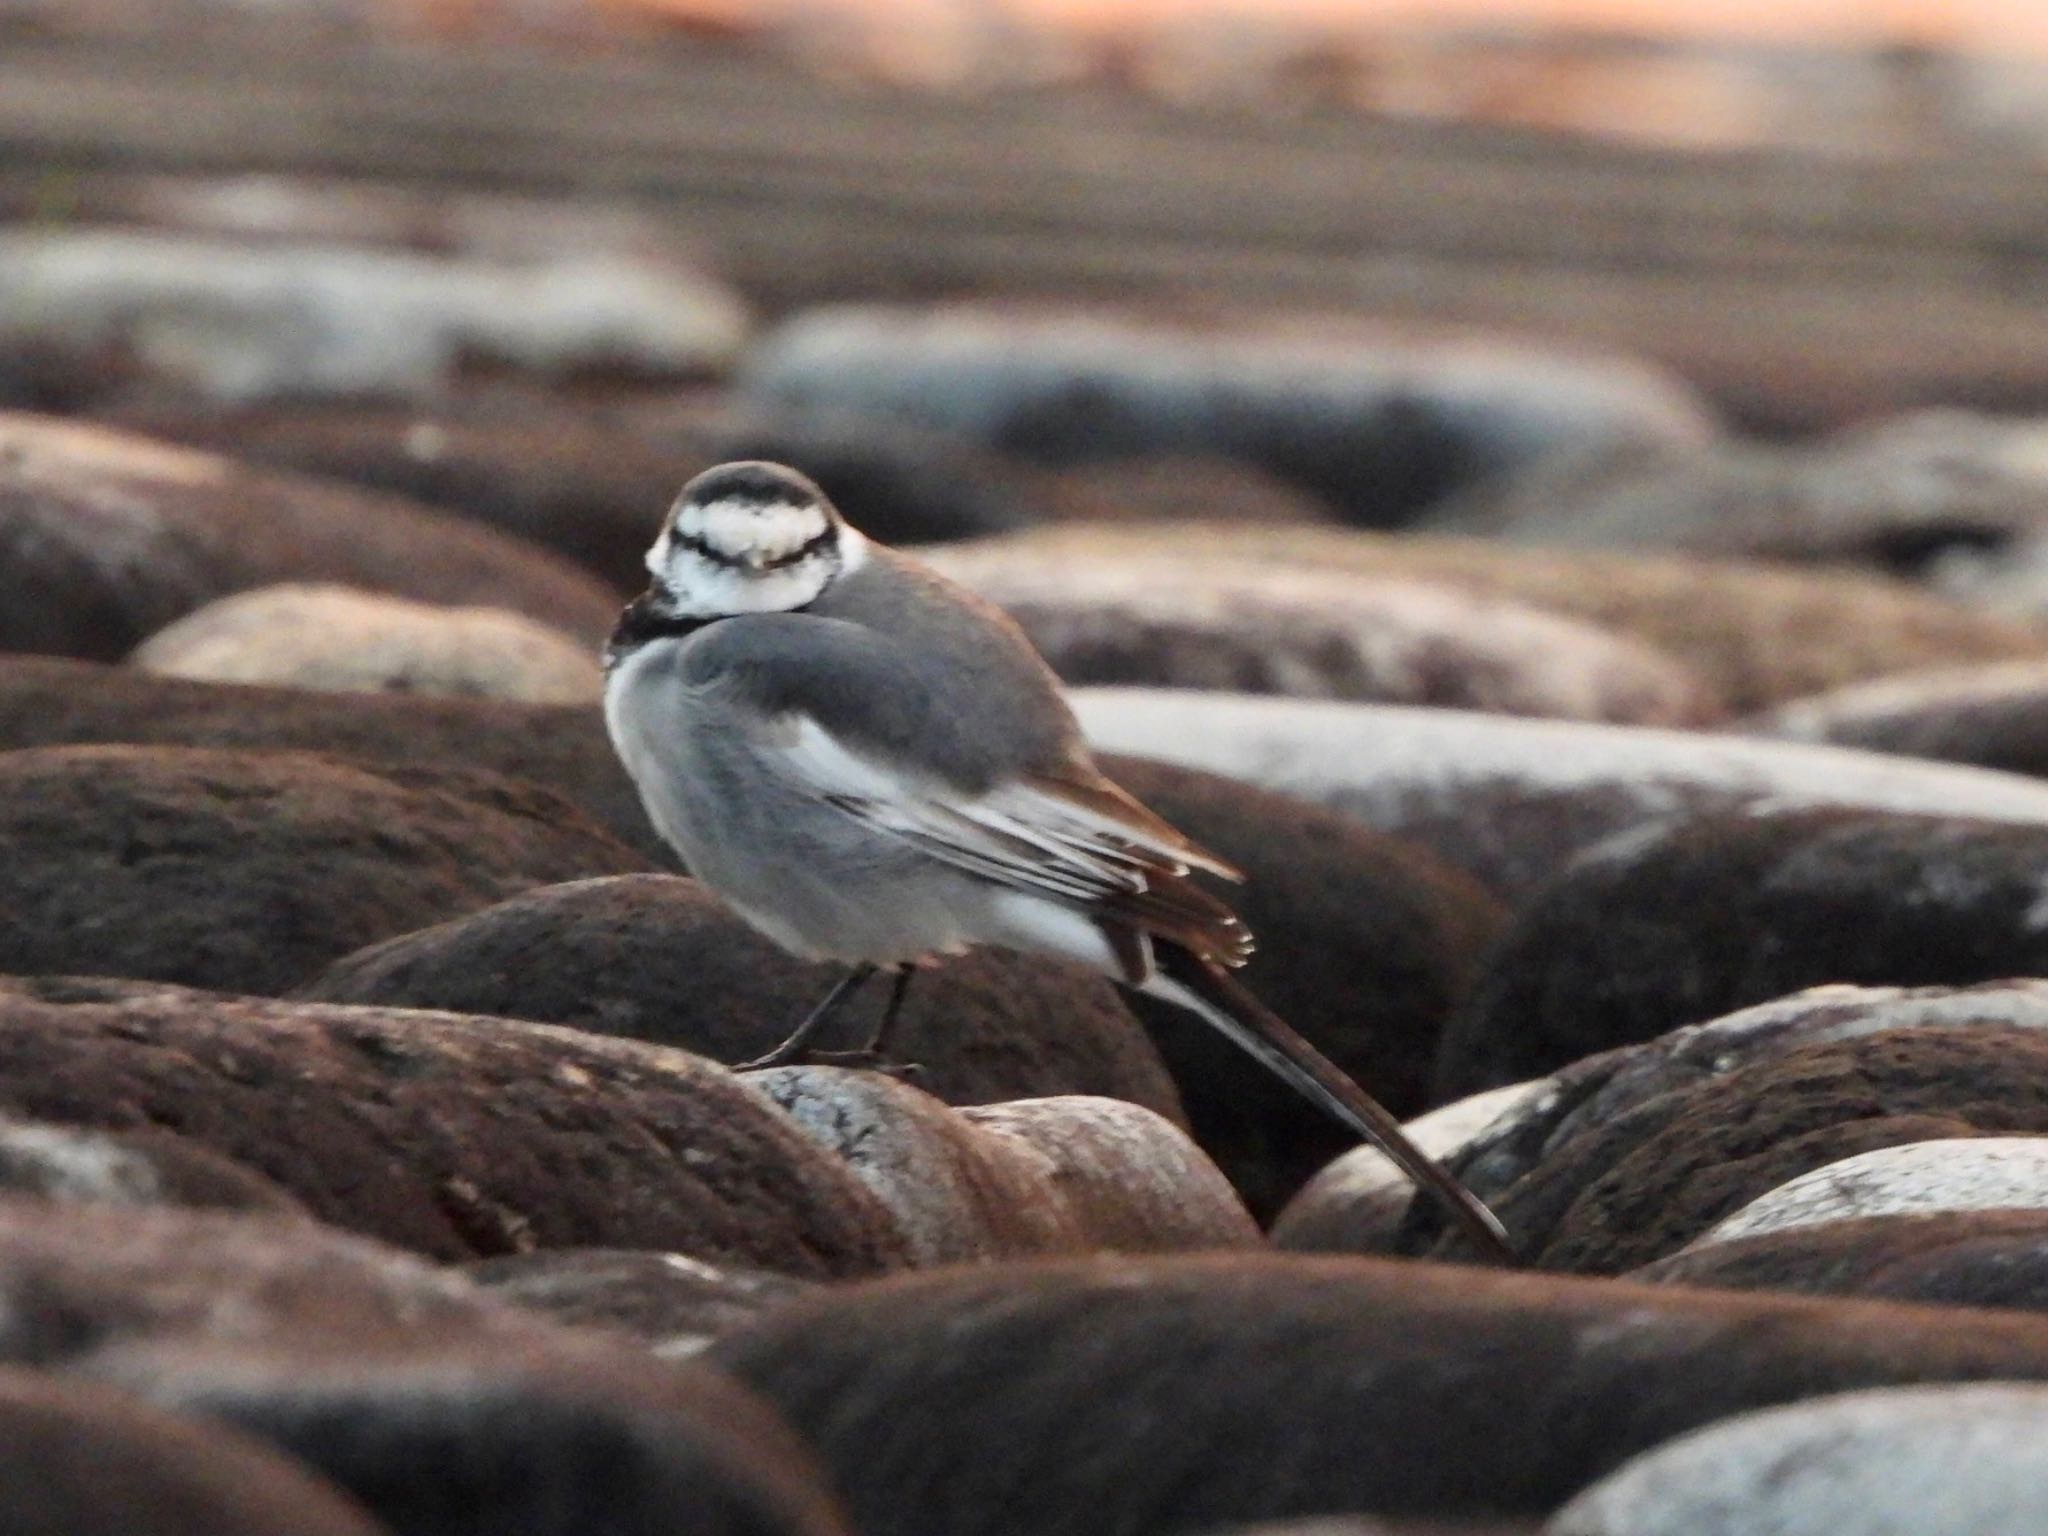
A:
(871, 765)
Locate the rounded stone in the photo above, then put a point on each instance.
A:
(1993, 1258)
(77, 1459)
(1376, 423)
(250, 871)
(105, 538)
(453, 1135)
(1994, 716)
(1260, 1387)
(672, 1303)
(1756, 634)
(1902, 1461)
(1661, 929)
(1315, 634)
(1511, 801)
(591, 480)
(1920, 1178)
(659, 958)
(1360, 1202)
(341, 639)
(47, 702)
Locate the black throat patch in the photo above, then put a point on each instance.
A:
(644, 619)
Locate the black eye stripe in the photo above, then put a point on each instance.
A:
(696, 545)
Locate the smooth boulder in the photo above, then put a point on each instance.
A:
(659, 958)
(1705, 915)
(1313, 634)
(455, 1136)
(1756, 633)
(77, 1459)
(340, 639)
(106, 537)
(1511, 801)
(1258, 1387)
(1377, 423)
(1955, 1258)
(1040, 1176)
(250, 871)
(1628, 1156)
(1899, 1461)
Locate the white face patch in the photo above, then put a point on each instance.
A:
(751, 532)
(699, 587)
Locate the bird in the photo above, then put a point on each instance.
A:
(872, 766)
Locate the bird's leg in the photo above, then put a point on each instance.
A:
(797, 1046)
(875, 1053)
(878, 1042)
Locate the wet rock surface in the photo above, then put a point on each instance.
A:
(1663, 929)
(455, 1136)
(1258, 1388)
(344, 640)
(250, 871)
(108, 537)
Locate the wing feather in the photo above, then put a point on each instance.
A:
(1034, 835)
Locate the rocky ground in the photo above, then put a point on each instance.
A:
(1651, 815)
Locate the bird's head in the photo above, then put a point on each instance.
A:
(750, 537)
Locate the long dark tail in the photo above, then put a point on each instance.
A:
(1214, 995)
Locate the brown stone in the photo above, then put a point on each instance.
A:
(47, 702)
(249, 871)
(1757, 634)
(657, 957)
(1316, 634)
(1513, 801)
(77, 1459)
(444, 1411)
(1716, 913)
(1950, 1258)
(1181, 1395)
(671, 1302)
(1613, 1191)
(105, 538)
(453, 1135)
(591, 481)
